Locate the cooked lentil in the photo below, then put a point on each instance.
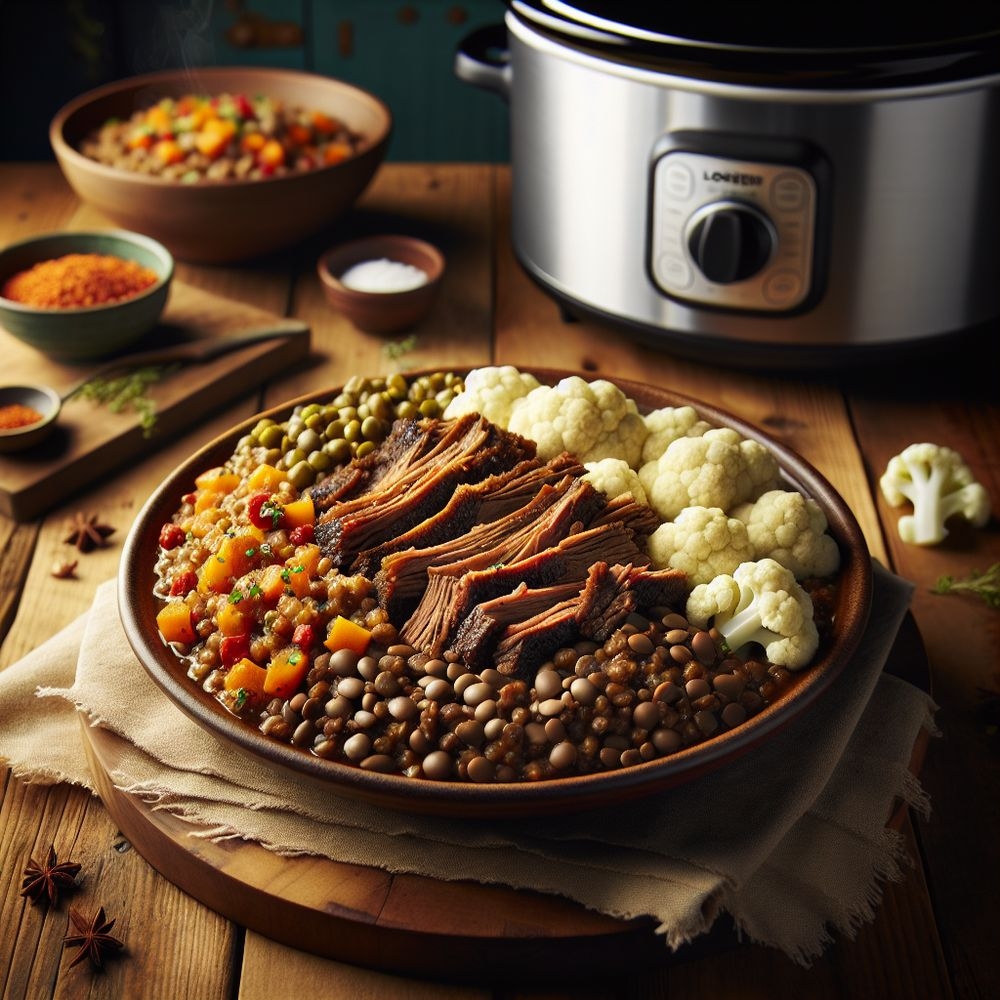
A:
(654, 687)
(78, 280)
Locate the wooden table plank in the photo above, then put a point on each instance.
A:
(184, 949)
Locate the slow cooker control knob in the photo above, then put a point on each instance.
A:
(731, 242)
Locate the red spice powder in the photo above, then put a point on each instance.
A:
(17, 415)
(78, 279)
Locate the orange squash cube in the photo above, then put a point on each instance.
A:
(285, 672)
(175, 624)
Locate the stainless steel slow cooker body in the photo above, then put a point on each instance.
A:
(702, 211)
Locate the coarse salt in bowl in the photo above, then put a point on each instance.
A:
(382, 284)
(383, 275)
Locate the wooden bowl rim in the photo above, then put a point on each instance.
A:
(138, 605)
(65, 150)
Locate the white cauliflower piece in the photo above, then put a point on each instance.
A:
(936, 480)
(491, 391)
(718, 469)
(702, 542)
(591, 420)
(790, 528)
(613, 477)
(668, 424)
(760, 603)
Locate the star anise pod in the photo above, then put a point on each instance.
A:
(88, 533)
(94, 938)
(48, 878)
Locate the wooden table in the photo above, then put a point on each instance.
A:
(935, 932)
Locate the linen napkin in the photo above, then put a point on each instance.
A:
(790, 839)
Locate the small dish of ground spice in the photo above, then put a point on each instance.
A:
(81, 296)
(27, 415)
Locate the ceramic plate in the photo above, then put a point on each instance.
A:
(138, 607)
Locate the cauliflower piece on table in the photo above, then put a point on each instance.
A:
(667, 424)
(790, 528)
(491, 391)
(760, 603)
(592, 420)
(718, 469)
(703, 542)
(613, 477)
(936, 480)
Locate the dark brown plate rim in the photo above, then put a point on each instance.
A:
(138, 606)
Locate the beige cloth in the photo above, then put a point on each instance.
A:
(790, 839)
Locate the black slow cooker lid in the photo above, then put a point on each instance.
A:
(802, 44)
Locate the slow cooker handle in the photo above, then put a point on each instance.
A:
(483, 59)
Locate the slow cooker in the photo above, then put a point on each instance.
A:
(726, 177)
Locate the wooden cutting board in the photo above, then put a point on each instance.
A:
(411, 924)
(90, 440)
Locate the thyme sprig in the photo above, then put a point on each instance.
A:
(128, 391)
(986, 585)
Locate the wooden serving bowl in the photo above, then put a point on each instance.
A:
(138, 607)
(229, 220)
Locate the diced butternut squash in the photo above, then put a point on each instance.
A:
(300, 569)
(217, 480)
(234, 618)
(251, 142)
(234, 558)
(167, 151)
(214, 137)
(272, 154)
(272, 583)
(285, 672)
(266, 479)
(345, 634)
(299, 512)
(335, 152)
(245, 675)
(175, 624)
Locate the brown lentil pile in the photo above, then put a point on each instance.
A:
(78, 279)
(654, 687)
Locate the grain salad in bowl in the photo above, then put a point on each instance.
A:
(415, 578)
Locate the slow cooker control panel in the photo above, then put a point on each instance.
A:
(732, 234)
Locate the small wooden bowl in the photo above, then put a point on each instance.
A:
(41, 398)
(389, 311)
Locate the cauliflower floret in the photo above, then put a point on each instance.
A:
(790, 528)
(718, 469)
(703, 542)
(592, 420)
(491, 391)
(613, 477)
(668, 424)
(760, 603)
(939, 484)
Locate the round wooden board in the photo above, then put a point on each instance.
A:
(408, 924)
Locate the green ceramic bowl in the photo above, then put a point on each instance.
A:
(93, 331)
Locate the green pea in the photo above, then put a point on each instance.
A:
(320, 461)
(365, 448)
(371, 429)
(429, 408)
(301, 475)
(272, 437)
(334, 430)
(352, 432)
(308, 440)
(339, 450)
(407, 409)
(293, 457)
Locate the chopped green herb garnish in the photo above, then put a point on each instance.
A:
(986, 585)
(241, 698)
(129, 391)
